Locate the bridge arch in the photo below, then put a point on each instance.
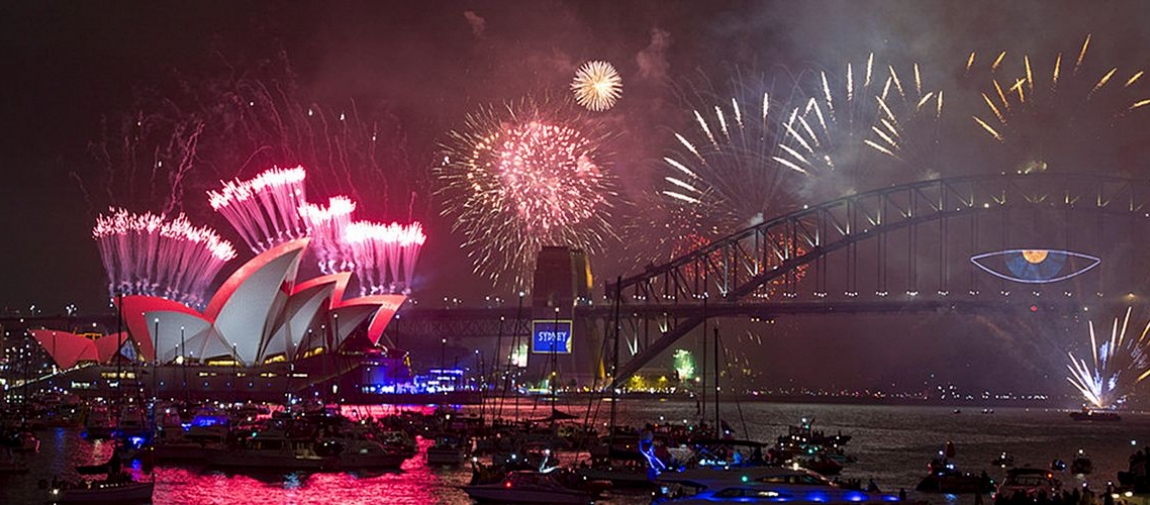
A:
(844, 250)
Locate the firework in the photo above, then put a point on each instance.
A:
(684, 364)
(521, 178)
(720, 175)
(264, 209)
(384, 255)
(1047, 108)
(144, 254)
(845, 124)
(1118, 365)
(328, 227)
(597, 86)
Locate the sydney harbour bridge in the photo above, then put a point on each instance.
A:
(998, 244)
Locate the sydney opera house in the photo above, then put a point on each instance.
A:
(263, 329)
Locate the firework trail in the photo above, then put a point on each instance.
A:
(265, 210)
(1056, 108)
(1117, 365)
(328, 227)
(522, 177)
(384, 255)
(847, 124)
(597, 86)
(145, 157)
(145, 254)
(242, 114)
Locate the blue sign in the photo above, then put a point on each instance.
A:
(551, 337)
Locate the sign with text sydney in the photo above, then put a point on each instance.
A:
(551, 337)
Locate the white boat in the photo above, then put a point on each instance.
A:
(528, 487)
(758, 485)
(102, 491)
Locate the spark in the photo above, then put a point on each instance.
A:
(1050, 117)
(597, 86)
(988, 128)
(997, 61)
(1118, 365)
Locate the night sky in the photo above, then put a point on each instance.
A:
(68, 66)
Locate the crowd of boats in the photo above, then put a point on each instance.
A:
(511, 461)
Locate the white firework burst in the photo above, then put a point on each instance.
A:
(597, 86)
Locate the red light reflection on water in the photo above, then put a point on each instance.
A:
(416, 483)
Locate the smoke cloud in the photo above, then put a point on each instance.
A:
(652, 59)
(478, 24)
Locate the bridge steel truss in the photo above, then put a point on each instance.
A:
(882, 239)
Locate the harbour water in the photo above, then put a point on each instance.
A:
(892, 444)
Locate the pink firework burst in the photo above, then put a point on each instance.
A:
(328, 226)
(384, 255)
(264, 209)
(145, 254)
(521, 178)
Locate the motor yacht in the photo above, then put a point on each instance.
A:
(757, 485)
(102, 491)
(528, 487)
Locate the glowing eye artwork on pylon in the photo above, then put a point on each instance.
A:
(1035, 266)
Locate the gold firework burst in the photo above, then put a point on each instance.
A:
(597, 86)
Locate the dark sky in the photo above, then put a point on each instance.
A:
(65, 65)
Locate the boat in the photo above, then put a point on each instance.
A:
(115, 487)
(447, 450)
(112, 490)
(528, 487)
(944, 478)
(1028, 482)
(1094, 415)
(361, 454)
(269, 449)
(758, 485)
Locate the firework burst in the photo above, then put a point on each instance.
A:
(1047, 108)
(1118, 365)
(265, 210)
(145, 254)
(720, 176)
(384, 255)
(522, 177)
(597, 86)
(328, 227)
(847, 124)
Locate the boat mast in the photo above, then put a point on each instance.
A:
(615, 359)
(702, 409)
(718, 424)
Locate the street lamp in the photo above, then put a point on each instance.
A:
(442, 354)
(183, 359)
(156, 359)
